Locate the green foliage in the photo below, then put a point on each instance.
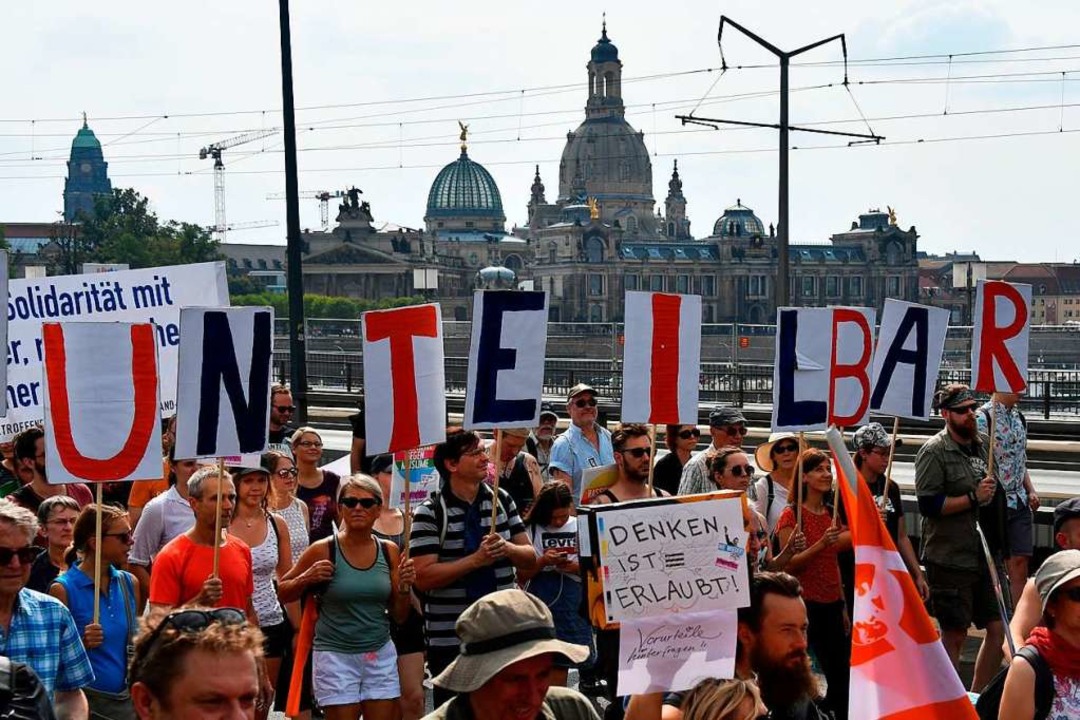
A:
(322, 306)
(123, 229)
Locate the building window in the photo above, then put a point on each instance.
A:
(832, 286)
(708, 285)
(757, 286)
(656, 283)
(553, 253)
(809, 286)
(630, 282)
(596, 285)
(682, 284)
(469, 224)
(894, 286)
(594, 250)
(596, 313)
(854, 285)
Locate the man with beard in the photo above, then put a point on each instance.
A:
(30, 457)
(952, 486)
(281, 414)
(772, 643)
(585, 444)
(540, 440)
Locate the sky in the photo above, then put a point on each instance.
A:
(979, 149)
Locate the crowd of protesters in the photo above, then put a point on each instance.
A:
(204, 576)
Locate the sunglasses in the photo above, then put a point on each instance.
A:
(124, 537)
(736, 430)
(26, 555)
(687, 434)
(740, 470)
(354, 502)
(962, 410)
(285, 408)
(1073, 594)
(191, 621)
(591, 402)
(310, 444)
(637, 453)
(786, 448)
(287, 472)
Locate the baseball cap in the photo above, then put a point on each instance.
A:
(546, 410)
(722, 415)
(578, 389)
(1056, 570)
(1068, 510)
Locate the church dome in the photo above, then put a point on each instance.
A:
(604, 50)
(738, 221)
(85, 139)
(610, 157)
(464, 187)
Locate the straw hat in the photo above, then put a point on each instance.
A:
(499, 630)
(763, 454)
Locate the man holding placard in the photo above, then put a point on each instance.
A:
(585, 444)
(952, 485)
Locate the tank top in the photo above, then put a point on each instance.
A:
(264, 560)
(353, 615)
(322, 505)
(397, 538)
(293, 515)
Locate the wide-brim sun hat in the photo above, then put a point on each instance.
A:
(498, 630)
(763, 454)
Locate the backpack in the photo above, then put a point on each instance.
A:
(22, 696)
(989, 701)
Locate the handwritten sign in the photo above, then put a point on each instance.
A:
(423, 477)
(672, 653)
(678, 555)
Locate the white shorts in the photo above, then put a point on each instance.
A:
(349, 678)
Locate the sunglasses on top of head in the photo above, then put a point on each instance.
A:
(354, 502)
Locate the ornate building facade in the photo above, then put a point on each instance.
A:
(603, 235)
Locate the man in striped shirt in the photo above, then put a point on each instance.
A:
(458, 559)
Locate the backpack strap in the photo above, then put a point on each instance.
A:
(1044, 680)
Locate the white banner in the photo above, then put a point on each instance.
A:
(801, 378)
(223, 381)
(674, 652)
(1000, 338)
(152, 295)
(101, 402)
(679, 556)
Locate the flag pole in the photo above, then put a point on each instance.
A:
(97, 554)
(892, 454)
(652, 455)
(217, 514)
(995, 581)
(798, 485)
(498, 475)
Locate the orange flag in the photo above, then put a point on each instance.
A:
(899, 669)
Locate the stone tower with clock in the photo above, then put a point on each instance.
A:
(87, 174)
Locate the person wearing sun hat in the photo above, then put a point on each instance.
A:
(1057, 643)
(508, 647)
(777, 458)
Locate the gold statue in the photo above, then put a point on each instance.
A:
(594, 208)
(464, 135)
(892, 215)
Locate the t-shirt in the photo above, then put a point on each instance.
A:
(164, 518)
(667, 472)
(26, 497)
(9, 483)
(779, 501)
(280, 436)
(894, 507)
(820, 577)
(182, 566)
(547, 537)
(144, 491)
(360, 433)
(322, 504)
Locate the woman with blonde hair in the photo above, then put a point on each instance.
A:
(713, 699)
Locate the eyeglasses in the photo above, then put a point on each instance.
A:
(736, 430)
(310, 444)
(637, 453)
(26, 555)
(590, 402)
(124, 537)
(60, 521)
(287, 472)
(786, 448)
(353, 502)
(192, 621)
(687, 434)
(1072, 594)
(285, 408)
(740, 470)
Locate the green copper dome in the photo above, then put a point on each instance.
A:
(85, 138)
(464, 188)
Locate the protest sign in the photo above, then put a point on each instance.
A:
(223, 381)
(4, 329)
(683, 554)
(506, 359)
(910, 343)
(661, 358)
(801, 380)
(404, 387)
(153, 295)
(595, 480)
(999, 340)
(422, 474)
(673, 652)
(849, 370)
(101, 402)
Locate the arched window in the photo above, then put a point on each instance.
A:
(671, 229)
(512, 262)
(594, 250)
(892, 254)
(553, 253)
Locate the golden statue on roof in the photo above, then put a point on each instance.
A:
(464, 135)
(892, 215)
(594, 208)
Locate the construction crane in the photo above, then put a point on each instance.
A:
(251, 225)
(323, 196)
(214, 151)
